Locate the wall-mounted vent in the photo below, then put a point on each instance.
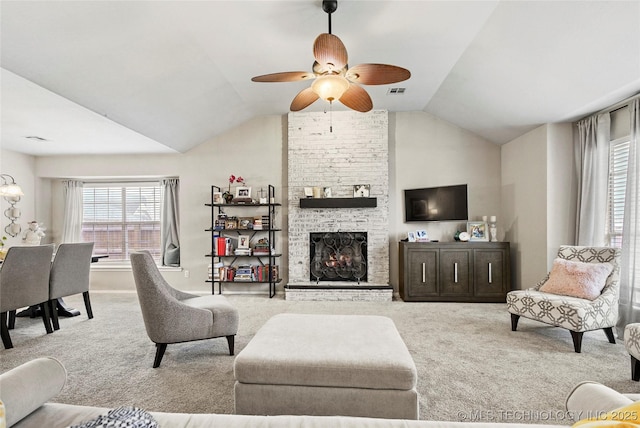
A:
(396, 91)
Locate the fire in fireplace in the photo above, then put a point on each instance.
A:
(338, 256)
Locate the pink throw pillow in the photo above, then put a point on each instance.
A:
(577, 279)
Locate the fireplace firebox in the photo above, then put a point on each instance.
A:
(338, 256)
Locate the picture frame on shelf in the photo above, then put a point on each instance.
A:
(243, 192)
(478, 231)
(217, 198)
(327, 192)
(411, 236)
(231, 223)
(245, 223)
(243, 241)
(421, 235)
(361, 190)
(308, 192)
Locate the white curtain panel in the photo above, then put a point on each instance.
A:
(592, 162)
(630, 260)
(170, 222)
(72, 224)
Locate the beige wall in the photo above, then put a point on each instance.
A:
(524, 205)
(23, 169)
(253, 150)
(538, 199)
(562, 188)
(427, 152)
(509, 182)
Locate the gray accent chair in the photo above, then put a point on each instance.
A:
(24, 281)
(173, 316)
(575, 314)
(70, 273)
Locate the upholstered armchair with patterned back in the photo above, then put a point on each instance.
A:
(173, 316)
(572, 295)
(632, 344)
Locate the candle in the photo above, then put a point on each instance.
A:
(492, 219)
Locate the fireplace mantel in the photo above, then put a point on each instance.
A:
(338, 203)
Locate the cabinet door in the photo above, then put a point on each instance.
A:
(422, 268)
(490, 273)
(455, 272)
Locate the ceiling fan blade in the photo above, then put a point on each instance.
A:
(357, 99)
(287, 76)
(377, 74)
(329, 49)
(305, 98)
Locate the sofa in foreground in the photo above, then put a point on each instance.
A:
(26, 406)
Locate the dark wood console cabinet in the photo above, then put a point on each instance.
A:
(454, 271)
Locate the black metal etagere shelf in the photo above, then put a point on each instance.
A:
(231, 260)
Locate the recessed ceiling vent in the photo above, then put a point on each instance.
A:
(35, 138)
(396, 91)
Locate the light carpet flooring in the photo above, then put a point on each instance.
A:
(470, 364)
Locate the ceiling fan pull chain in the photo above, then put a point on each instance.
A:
(331, 116)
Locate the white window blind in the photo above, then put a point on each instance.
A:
(121, 218)
(618, 164)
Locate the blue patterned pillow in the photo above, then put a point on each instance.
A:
(122, 417)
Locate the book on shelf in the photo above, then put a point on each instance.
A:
(227, 273)
(262, 248)
(214, 271)
(223, 246)
(243, 273)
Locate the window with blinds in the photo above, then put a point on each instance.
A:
(121, 218)
(618, 161)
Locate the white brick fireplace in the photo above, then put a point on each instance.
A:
(356, 151)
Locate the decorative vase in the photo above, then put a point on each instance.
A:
(228, 197)
(493, 228)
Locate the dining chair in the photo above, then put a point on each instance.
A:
(24, 281)
(70, 273)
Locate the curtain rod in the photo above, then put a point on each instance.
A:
(618, 105)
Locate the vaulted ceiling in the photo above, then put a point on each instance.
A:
(166, 76)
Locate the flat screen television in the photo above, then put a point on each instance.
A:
(445, 203)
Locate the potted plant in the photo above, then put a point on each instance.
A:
(227, 195)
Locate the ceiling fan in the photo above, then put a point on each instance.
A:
(334, 80)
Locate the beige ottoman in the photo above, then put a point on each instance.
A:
(348, 365)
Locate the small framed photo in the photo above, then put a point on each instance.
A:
(477, 231)
(411, 236)
(308, 192)
(217, 198)
(243, 192)
(361, 190)
(327, 192)
(243, 241)
(231, 223)
(245, 223)
(421, 236)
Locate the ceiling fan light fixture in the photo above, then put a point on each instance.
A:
(330, 87)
